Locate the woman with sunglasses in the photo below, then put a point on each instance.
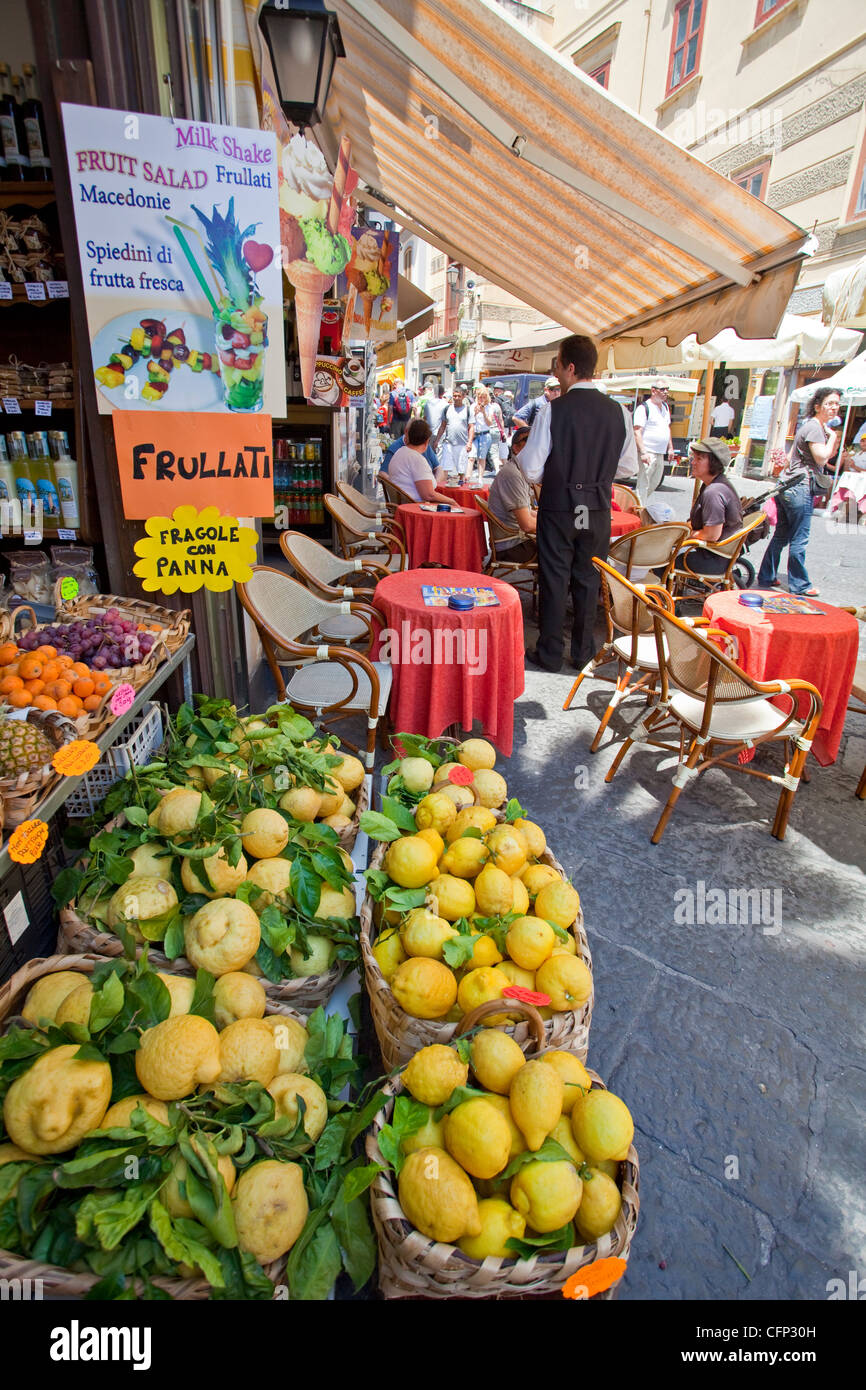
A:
(814, 445)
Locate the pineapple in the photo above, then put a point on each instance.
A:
(225, 250)
(23, 747)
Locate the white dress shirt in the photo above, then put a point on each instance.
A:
(537, 447)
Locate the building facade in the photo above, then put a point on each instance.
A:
(769, 92)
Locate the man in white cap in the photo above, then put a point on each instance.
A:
(652, 432)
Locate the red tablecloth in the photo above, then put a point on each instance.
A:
(455, 539)
(621, 523)
(799, 646)
(442, 677)
(464, 496)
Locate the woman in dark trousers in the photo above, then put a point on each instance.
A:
(814, 445)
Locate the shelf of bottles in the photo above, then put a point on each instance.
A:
(298, 483)
(23, 146)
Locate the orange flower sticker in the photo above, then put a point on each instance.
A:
(461, 776)
(527, 996)
(27, 841)
(594, 1278)
(76, 757)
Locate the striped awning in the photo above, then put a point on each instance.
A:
(499, 152)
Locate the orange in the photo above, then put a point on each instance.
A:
(80, 669)
(20, 699)
(8, 653)
(83, 686)
(46, 651)
(43, 702)
(30, 669)
(50, 671)
(10, 683)
(92, 702)
(101, 684)
(70, 705)
(60, 689)
(35, 687)
(64, 661)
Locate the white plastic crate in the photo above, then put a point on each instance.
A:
(141, 742)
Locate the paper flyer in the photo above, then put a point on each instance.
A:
(178, 232)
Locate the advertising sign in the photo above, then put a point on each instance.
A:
(201, 460)
(178, 234)
(368, 287)
(191, 550)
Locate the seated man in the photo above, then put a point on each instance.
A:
(717, 512)
(510, 501)
(409, 468)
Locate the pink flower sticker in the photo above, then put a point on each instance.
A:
(122, 699)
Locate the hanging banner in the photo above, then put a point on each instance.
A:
(192, 550)
(367, 287)
(200, 460)
(177, 225)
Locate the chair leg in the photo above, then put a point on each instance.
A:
(597, 660)
(615, 765)
(615, 699)
(786, 798)
(861, 787)
(694, 756)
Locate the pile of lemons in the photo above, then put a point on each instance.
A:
(467, 1172)
(61, 1098)
(474, 868)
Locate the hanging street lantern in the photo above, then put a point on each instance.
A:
(304, 42)
(452, 275)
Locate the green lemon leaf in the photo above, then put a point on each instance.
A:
(106, 1003)
(378, 827)
(550, 1152)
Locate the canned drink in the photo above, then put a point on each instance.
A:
(310, 450)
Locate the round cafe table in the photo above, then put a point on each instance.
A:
(817, 647)
(463, 496)
(451, 667)
(621, 523)
(454, 539)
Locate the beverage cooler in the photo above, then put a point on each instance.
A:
(303, 473)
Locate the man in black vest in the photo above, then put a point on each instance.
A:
(587, 436)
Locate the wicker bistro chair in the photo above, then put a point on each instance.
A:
(690, 583)
(394, 494)
(652, 548)
(331, 682)
(713, 703)
(362, 536)
(626, 499)
(497, 564)
(367, 506)
(318, 569)
(858, 691)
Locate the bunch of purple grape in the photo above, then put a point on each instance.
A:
(104, 643)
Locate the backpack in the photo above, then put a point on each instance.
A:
(402, 403)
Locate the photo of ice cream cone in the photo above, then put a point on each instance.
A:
(310, 288)
(367, 301)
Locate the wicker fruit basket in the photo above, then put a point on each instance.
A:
(400, 1035)
(67, 1283)
(9, 617)
(349, 834)
(20, 795)
(169, 627)
(412, 1265)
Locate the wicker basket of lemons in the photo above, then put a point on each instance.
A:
(506, 1172)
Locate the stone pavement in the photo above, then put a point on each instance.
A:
(739, 1048)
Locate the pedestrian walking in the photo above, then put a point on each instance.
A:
(400, 404)
(487, 431)
(652, 430)
(814, 445)
(456, 430)
(588, 436)
(722, 418)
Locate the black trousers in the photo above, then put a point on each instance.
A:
(567, 543)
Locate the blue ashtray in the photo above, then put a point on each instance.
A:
(443, 507)
(462, 602)
(752, 600)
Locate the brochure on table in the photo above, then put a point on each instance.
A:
(178, 234)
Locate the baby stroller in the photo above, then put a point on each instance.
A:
(744, 570)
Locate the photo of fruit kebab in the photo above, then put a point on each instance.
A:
(163, 351)
(369, 282)
(232, 259)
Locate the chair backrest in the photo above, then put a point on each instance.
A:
(695, 665)
(653, 547)
(346, 516)
(627, 606)
(393, 491)
(311, 560)
(282, 605)
(365, 505)
(732, 545)
(498, 529)
(625, 499)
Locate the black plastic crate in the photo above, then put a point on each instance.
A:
(28, 918)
